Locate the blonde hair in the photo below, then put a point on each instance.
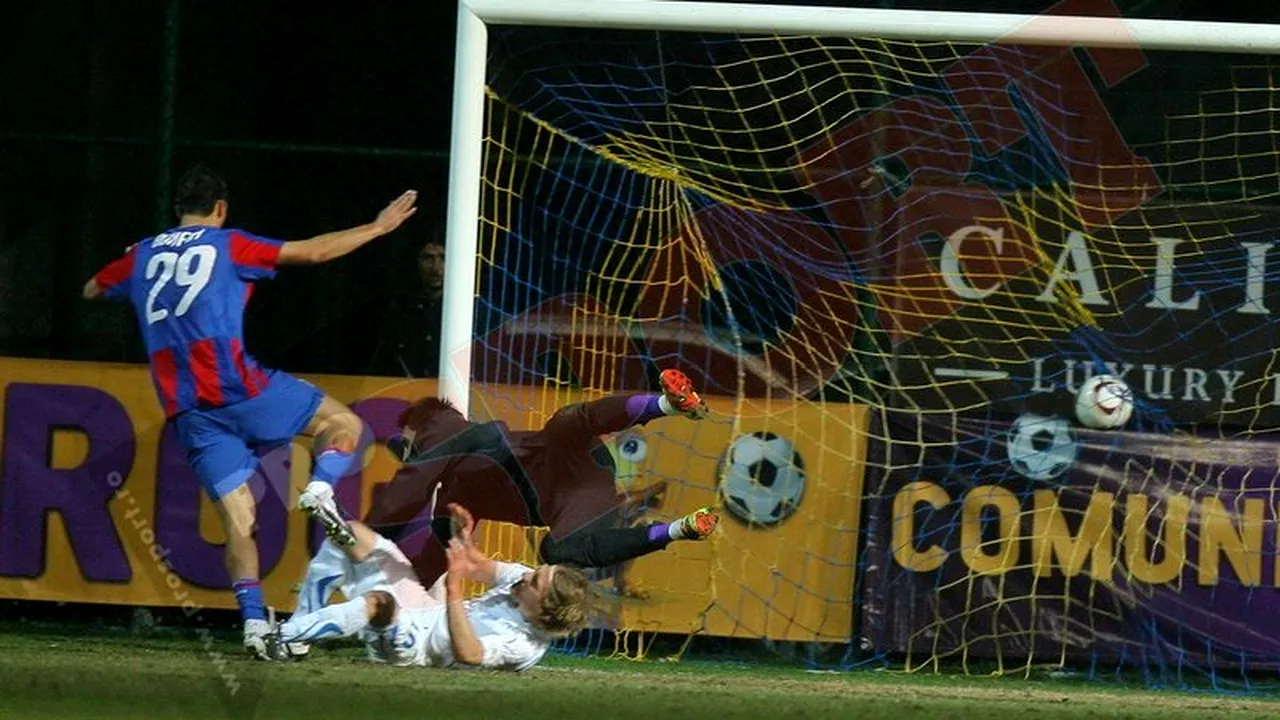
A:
(567, 604)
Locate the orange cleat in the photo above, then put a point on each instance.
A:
(679, 391)
(697, 525)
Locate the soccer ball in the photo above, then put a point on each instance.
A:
(1041, 448)
(1104, 402)
(763, 478)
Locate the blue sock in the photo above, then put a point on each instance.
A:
(249, 598)
(331, 465)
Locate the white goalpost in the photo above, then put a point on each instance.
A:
(474, 16)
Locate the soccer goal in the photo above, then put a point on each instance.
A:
(891, 246)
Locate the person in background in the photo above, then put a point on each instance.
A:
(408, 343)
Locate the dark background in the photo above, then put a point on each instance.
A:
(318, 114)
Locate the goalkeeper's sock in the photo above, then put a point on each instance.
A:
(689, 527)
(335, 621)
(331, 465)
(660, 535)
(248, 594)
(643, 408)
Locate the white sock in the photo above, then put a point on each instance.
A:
(665, 405)
(325, 573)
(334, 621)
(675, 528)
(321, 490)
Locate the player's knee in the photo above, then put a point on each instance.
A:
(351, 427)
(572, 423)
(381, 608)
(341, 432)
(366, 541)
(552, 551)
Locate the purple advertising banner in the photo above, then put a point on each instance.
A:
(1038, 540)
(98, 502)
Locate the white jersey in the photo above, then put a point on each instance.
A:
(510, 642)
(420, 635)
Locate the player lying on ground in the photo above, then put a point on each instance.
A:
(400, 622)
(188, 287)
(561, 477)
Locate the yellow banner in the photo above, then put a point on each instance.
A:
(99, 504)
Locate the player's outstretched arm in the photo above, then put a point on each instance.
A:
(92, 290)
(331, 246)
(466, 647)
(112, 278)
(479, 567)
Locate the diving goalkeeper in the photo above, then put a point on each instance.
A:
(561, 477)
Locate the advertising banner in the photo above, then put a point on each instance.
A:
(1038, 539)
(99, 505)
(1176, 300)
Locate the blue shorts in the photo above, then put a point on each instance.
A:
(220, 441)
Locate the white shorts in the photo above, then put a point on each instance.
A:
(388, 570)
(404, 641)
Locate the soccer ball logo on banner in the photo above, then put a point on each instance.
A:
(1041, 448)
(762, 478)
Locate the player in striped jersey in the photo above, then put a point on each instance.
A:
(189, 287)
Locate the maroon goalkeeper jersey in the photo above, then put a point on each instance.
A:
(561, 476)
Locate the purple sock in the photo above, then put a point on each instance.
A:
(659, 534)
(643, 408)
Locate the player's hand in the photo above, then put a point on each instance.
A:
(458, 556)
(466, 561)
(463, 560)
(394, 214)
(463, 524)
(457, 570)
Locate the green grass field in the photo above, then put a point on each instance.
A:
(56, 674)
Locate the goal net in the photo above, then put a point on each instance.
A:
(890, 265)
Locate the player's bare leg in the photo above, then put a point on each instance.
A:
(238, 513)
(336, 430)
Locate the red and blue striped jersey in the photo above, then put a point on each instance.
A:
(189, 287)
